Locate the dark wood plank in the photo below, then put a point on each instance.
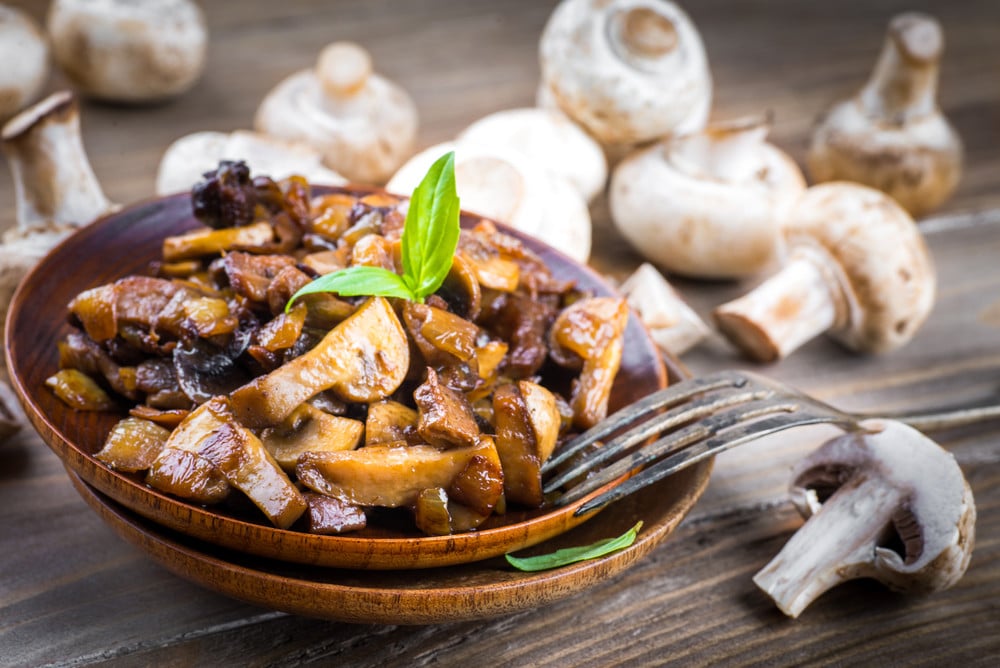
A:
(71, 591)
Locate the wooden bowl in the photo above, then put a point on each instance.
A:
(125, 243)
(463, 592)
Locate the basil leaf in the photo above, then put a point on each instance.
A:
(355, 281)
(431, 229)
(570, 555)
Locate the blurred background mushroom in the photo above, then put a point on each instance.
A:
(184, 161)
(628, 71)
(133, 51)
(673, 324)
(892, 135)
(364, 125)
(25, 57)
(858, 268)
(509, 187)
(707, 204)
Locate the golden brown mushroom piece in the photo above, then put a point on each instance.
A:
(527, 426)
(589, 335)
(364, 358)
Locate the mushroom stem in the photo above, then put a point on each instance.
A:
(54, 184)
(728, 152)
(903, 86)
(838, 547)
(782, 313)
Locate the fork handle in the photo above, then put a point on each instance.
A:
(939, 420)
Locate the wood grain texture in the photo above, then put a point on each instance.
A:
(72, 592)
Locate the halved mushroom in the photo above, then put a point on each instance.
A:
(892, 135)
(25, 54)
(709, 204)
(858, 269)
(589, 335)
(389, 422)
(364, 358)
(129, 51)
(185, 160)
(886, 502)
(627, 71)
(364, 125)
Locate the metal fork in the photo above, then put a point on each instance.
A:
(696, 419)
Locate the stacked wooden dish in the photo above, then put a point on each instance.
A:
(366, 576)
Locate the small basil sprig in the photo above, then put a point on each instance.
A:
(430, 237)
(570, 555)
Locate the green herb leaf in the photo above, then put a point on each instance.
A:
(430, 233)
(430, 237)
(355, 281)
(570, 555)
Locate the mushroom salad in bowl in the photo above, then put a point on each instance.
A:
(392, 413)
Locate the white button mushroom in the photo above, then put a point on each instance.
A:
(858, 269)
(892, 135)
(364, 125)
(709, 204)
(672, 323)
(129, 50)
(547, 138)
(628, 71)
(25, 57)
(886, 482)
(55, 191)
(184, 161)
(508, 187)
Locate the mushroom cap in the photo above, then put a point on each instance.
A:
(699, 224)
(129, 51)
(187, 158)
(936, 514)
(918, 163)
(626, 70)
(364, 125)
(877, 255)
(25, 56)
(511, 188)
(548, 138)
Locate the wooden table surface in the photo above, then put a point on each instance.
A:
(72, 592)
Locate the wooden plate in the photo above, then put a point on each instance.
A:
(125, 243)
(489, 588)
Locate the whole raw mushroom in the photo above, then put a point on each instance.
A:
(892, 135)
(364, 125)
(185, 160)
(508, 187)
(883, 483)
(708, 204)
(548, 138)
(132, 51)
(858, 269)
(628, 71)
(25, 56)
(55, 192)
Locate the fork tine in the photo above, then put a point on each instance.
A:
(671, 396)
(676, 441)
(658, 423)
(708, 448)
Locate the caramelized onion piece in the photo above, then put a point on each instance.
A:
(78, 390)
(590, 335)
(133, 445)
